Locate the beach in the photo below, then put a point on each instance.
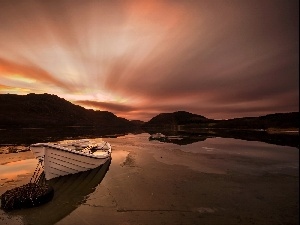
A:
(159, 183)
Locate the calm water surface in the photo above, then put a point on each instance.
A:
(279, 158)
(216, 155)
(241, 155)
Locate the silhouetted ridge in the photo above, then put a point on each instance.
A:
(176, 118)
(276, 120)
(188, 121)
(45, 110)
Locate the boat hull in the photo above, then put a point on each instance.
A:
(60, 163)
(38, 151)
(60, 160)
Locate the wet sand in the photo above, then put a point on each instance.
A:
(154, 184)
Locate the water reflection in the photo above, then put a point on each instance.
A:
(189, 137)
(26, 136)
(69, 192)
(179, 137)
(221, 155)
(138, 164)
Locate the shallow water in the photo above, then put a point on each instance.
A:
(13, 170)
(220, 155)
(132, 156)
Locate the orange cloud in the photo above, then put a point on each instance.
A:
(29, 72)
(10, 89)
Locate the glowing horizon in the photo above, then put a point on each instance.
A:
(137, 59)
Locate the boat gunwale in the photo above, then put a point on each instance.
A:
(57, 147)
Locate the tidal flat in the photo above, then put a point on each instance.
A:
(211, 181)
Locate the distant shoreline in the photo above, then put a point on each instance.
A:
(289, 131)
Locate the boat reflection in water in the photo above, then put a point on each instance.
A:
(70, 192)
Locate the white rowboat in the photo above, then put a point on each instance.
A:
(70, 157)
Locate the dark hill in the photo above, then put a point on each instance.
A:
(190, 121)
(45, 110)
(277, 120)
(176, 118)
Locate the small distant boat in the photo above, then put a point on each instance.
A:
(71, 156)
(157, 136)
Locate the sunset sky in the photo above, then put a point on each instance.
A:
(138, 58)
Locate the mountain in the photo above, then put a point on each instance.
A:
(276, 120)
(190, 121)
(45, 110)
(177, 118)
